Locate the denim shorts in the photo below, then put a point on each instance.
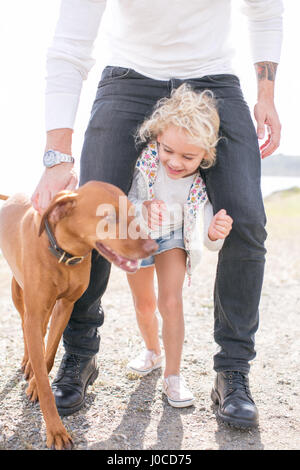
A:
(170, 241)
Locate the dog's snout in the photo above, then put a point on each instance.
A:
(150, 246)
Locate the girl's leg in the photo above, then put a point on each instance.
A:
(142, 288)
(170, 267)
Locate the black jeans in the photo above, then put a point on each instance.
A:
(124, 98)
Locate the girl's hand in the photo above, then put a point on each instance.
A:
(154, 212)
(220, 226)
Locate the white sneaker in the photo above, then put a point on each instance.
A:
(145, 363)
(178, 394)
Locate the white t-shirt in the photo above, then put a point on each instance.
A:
(174, 193)
(161, 39)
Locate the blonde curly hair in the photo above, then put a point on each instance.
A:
(194, 112)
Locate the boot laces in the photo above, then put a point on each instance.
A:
(238, 381)
(70, 365)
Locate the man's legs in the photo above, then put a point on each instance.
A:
(109, 154)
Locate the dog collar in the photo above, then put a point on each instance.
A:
(59, 253)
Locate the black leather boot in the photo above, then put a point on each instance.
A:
(73, 377)
(236, 406)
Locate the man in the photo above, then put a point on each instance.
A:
(150, 48)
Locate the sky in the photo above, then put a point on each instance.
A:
(26, 30)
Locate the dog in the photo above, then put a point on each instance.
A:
(50, 258)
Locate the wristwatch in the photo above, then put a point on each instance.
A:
(53, 157)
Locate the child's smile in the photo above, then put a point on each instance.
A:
(179, 157)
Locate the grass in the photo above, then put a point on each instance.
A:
(284, 203)
(283, 215)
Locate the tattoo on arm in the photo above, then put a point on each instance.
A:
(266, 70)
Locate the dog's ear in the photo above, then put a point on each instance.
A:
(61, 206)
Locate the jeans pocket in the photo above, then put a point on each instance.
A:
(111, 73)
(119, 72)
(224, 79)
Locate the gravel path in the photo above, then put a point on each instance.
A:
(126, 412)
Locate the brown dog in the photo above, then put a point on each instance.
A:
(49, 281)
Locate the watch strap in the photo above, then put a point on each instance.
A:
(54, 157)
(65, 158)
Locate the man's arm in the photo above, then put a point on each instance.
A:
(264, 111)
(265, 29)
(69, 61)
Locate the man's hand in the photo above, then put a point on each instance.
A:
(266, 115)
(59, 177)
(220, 226)
(53, 180)
(264, 111)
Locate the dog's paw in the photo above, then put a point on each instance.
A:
(24, 362)
(31, 391)
(27, 369)
(59, 440)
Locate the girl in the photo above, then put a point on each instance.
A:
(170, 198)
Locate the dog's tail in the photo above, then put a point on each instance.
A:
(3, 197)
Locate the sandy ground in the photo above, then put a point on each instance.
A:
(126, 412)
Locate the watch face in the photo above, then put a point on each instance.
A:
(49, 158)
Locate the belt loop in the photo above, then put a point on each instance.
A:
(175, 83)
